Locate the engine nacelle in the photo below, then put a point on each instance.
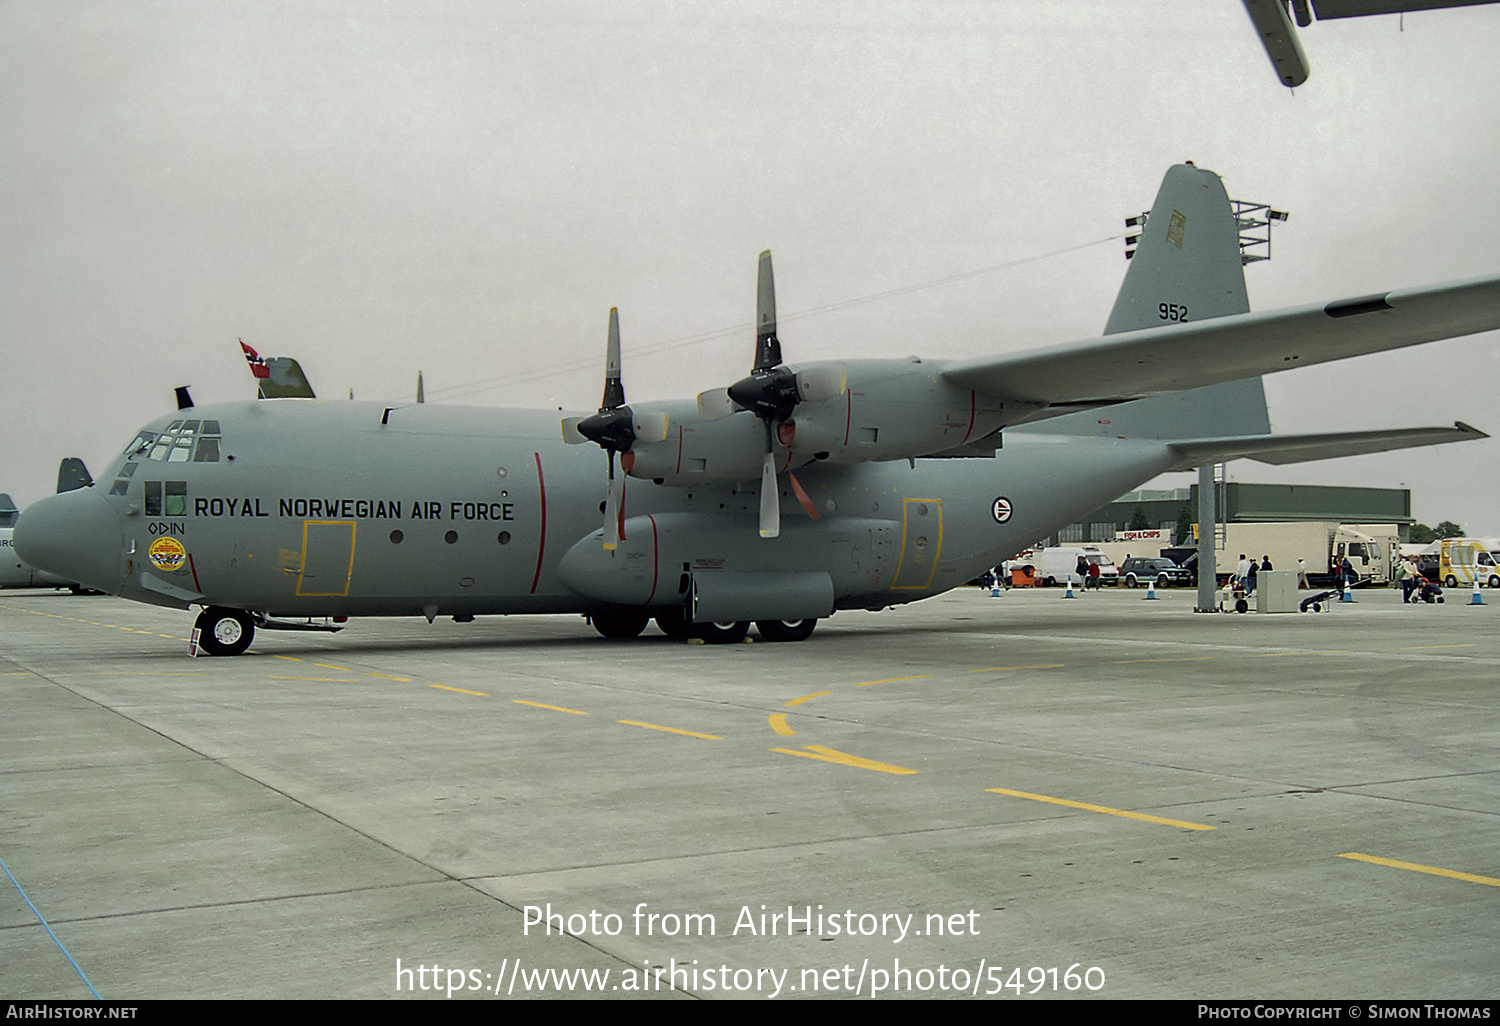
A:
(847, 412)
(887, 410)
(676, 444)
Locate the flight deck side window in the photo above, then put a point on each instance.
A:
(153, 498)
(122, 483)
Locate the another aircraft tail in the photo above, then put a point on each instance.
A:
(72, 474)
(1186, 267)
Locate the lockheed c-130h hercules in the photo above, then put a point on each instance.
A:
(796, 492)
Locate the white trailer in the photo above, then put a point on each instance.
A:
(1370, 548)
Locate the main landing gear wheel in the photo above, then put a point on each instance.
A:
(620, 623)
(224, 632)
(674, 624)
(726, 632)
(785, 630)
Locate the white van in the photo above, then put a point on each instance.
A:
(1056, 563)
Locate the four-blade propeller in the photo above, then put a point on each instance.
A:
(613, 430)
(771, 392)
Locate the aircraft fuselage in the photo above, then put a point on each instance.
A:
(308, 509)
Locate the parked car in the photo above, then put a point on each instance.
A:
(1141, 570)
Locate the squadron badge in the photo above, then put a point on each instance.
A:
(167, 554)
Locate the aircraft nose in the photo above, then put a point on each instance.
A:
(74, 536)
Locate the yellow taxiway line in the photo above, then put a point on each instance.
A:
(670, 730)
(1417, 867)
(554, 708)
(844, 759)
(1184, 824)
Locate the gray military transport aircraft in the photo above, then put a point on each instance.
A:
(796, 492)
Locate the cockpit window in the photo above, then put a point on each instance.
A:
(184, 441)
(142, 442)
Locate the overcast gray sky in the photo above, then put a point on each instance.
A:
(467, 188)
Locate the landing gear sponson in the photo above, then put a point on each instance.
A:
(628, 622)
(229, 632)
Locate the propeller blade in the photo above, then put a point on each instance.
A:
(802, 496)
(770, 504)
(767, 346)
(715, 403)
(620, 509)
(614, 388)
(822, 381)
(611, 510)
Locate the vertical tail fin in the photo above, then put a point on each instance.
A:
(1186, 267)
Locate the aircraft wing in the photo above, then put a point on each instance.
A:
(1326, 9)
(1136, 364)
(1284, 449)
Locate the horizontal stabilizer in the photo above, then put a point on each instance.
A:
(1283, 449)
(1156, 360)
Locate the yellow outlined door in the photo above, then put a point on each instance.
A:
(921, 541)
(327, 557)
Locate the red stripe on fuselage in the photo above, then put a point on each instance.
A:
(541, 546)
(655, 561)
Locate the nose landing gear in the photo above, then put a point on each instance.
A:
(224, 632)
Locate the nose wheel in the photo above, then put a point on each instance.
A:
(224, 632)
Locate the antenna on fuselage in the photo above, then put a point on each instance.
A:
(184, 401)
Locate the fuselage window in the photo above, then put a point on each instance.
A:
(207, 451)
(171, 503)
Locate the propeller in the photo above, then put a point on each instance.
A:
(613, 430)
(770, 392)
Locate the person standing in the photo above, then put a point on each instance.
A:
(1302, 574)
